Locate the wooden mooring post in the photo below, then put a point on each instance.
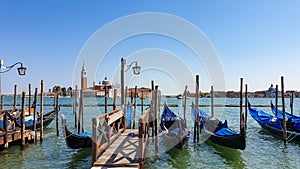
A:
(5, 130)
(212, 100)
(29, 98)
(276, 100)
(184, 103)
(75, 105)
(152, 116)
(2, 102)
(106, 98)
(156, 111)
(292, 102)
(196, 124)
(134, 109)
(15, 97)
(23, 120)
(283, 110)
(82, 110)
(241, 105)
(246, 107)
(34, 114)
(79, 113)
(42, 111)
(115, 100)
(57, 117)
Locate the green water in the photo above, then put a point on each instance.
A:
(262, 150)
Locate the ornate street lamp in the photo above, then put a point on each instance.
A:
(136, 71)
(21, 70)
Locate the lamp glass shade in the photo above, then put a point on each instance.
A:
(136, 69)
(21, 70)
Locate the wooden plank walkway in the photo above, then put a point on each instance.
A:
(122, 152)
(115, 146)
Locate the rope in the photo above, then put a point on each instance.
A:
(294, 134)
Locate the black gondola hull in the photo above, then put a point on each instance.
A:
(48, 118)
(76, 142)
(236, 142)
(279, 133)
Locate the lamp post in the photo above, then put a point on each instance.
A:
(136, 71)
(21, 70)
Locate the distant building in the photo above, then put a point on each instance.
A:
(271, 92)
(83, 77)
(97, 90)
(141, 92)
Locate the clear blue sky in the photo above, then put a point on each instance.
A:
(257, 40)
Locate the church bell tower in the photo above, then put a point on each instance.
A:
(83, 77)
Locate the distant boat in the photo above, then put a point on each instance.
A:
(179, 96)
(76, 140)
(174, 128)
(218, 132)
(273, 124)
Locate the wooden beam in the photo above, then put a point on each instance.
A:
(15, 97)
(241, 104)
(42, 111)
(196, 124)
(212, 100)
(57, 110)
(34, 114)
(283, 110)
(23, 120)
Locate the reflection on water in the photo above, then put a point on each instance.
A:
(232, 156)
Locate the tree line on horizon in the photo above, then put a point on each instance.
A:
(62, 91)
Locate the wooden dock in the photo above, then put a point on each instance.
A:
(11, 130)
(116, 146)
(122, 152)
(12, 121)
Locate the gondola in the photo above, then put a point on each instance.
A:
(74, 140)
(293, 122)
(82, 139)
(219, 133)
(273, 124)
(174, 129)
(48, 118)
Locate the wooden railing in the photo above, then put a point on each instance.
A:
(10, 116)
(11, 124)
(143, 135)
(106, 129)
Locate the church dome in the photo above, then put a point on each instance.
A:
(105, 81)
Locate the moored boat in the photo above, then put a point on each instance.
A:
(217, 132)
(174, 129)
(273, 124)
(76, 140)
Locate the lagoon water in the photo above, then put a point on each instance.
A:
(262, 150)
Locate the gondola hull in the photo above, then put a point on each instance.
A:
(210, 129)
(264, 120)
(174, 129)
(48, 118)
(279, 133)
(175, 140)
(236, 141)
(75, 141)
